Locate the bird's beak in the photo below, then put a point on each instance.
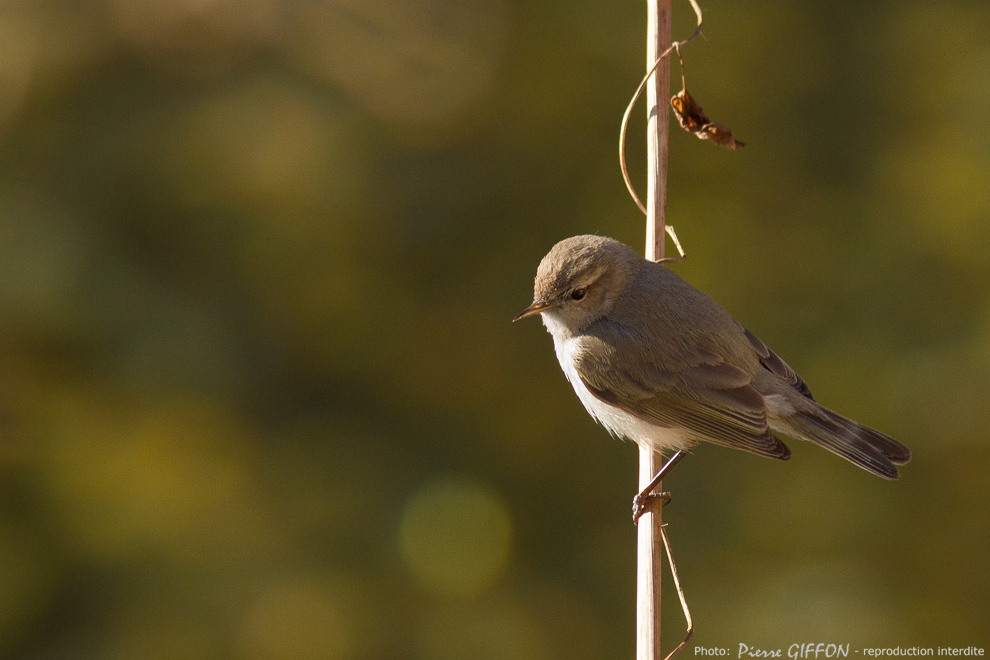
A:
(537, 307)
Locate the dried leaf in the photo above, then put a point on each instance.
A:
(720, 135)
(693, 119)
(689, 113)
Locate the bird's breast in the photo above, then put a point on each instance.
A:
(617, 421)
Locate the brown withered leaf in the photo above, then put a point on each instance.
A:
(693, 119)
(689, 113)
(720, 135)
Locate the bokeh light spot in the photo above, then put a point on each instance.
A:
(455, 536)
(297, 619)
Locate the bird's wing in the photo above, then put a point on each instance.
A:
(776, 366)
(704, 395)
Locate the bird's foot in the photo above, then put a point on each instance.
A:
(645, 499)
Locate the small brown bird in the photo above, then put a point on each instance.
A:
(657, 361)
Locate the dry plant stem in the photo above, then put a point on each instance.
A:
(649, 564)
(657, 125)
(639, 90)
(680, 596)
(650, 525)
(677, 244)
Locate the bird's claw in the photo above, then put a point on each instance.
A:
(644, 500)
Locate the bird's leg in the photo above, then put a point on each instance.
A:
(647, 496)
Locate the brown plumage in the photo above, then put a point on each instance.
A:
(657, 361)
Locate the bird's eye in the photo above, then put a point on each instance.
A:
(579, 293)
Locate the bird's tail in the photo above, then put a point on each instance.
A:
(871, 450)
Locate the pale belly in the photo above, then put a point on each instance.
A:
(619, 422)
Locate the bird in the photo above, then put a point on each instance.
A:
(657, 361)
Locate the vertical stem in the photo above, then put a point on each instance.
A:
(650, 551)
(657, 93)
(649, 564)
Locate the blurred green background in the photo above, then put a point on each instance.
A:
(259, 392)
